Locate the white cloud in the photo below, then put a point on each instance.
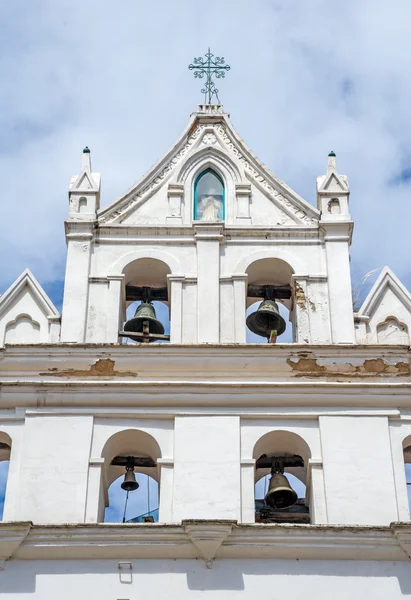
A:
(306, 77)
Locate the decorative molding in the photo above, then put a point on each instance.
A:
(204, 539)
(208, 537)
(156, 178)
(11, 537)
(209, 139)
(259, 179)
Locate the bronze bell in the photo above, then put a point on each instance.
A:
(266, 319)
(280, 493)
(145, 312)
(129, 484)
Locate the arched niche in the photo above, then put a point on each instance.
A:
(209, 196)
(279, 442)
(5, 451)
(22, 329)
(282, 444)
(334, 207)
(82, 204)
(392, 331)
(270, 272)
(147, 273)
(135, 443)
(214, 159)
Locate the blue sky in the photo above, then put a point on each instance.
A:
(306, 77)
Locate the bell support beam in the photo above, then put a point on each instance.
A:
(266, 462)
(145, 293)
(135, 461)
(269, 292)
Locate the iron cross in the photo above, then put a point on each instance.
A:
(209, 67)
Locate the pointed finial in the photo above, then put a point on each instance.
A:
(86, 162)
(332, 162)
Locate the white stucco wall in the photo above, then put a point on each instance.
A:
(358, 470)
(207, 468)
(190, 580)
(53, 469)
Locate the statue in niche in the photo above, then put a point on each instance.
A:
(209, 197)
(210, 209)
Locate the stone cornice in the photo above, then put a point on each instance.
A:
(169, 375)
(204, 539)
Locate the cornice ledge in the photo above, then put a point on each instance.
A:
(11, 537)
(402, 531)
(208, 536)
(205, 538)
(331, 542)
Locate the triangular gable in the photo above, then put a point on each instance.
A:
(386, 280)
(84, 182)
(27, 279)
(285, 198)
(334, 183)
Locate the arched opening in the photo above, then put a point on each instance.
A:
(286, 337)
(269, 301)
(280, 478)
(132, 453)
(209, 197)
(5, 450)
(146, 301)
(407, 466)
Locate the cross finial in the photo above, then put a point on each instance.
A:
(209, 67)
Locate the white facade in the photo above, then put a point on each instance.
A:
(205, 407)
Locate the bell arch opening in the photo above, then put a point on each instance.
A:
(5, 451)
(131, 478)
(280, 492)
(269, 301)
(146, 304)
(209, 196)
(141, 506)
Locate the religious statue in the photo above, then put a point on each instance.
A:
(210, 209)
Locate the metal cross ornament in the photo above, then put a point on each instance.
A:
(210, 66)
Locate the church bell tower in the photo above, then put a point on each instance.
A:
(208, 344)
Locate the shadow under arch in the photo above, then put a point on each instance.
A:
(282, 442)
(5, 451)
